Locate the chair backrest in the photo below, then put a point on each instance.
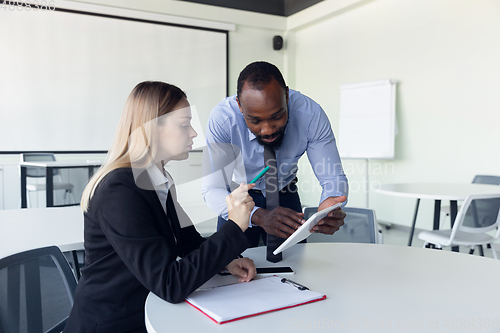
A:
(360, 226)
(38, 157)
(36, 291)
(478, 214)
(486, 179)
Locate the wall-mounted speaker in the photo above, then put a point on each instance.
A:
(277, 42)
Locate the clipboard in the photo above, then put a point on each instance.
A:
(233, 302)
(305, 230)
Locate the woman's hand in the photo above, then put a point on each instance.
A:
(239, 205)
(244, 268)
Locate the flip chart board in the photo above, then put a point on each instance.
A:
(367, 124)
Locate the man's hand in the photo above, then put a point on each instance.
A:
(280, 222)
(244, 268)
(335, 219)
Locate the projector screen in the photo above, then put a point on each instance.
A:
(66, 74)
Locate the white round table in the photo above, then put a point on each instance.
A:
(369, 288)
(49, 166)
(436, 192)
(27, 229)
(442, 191)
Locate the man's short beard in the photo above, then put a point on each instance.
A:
(276, 143)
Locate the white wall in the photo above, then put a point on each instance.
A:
(446, 56)
(444, 53)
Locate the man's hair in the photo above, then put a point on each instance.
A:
(258, 74)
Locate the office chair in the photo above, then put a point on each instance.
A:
(34, 172)
(36, 291)
(478, 215)
(478, 179)
(360, 226)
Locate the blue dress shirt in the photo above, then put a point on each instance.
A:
(308, 130)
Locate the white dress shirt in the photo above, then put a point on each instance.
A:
(161, 183)
(308, 130)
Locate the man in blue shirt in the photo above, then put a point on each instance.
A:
(266, 113)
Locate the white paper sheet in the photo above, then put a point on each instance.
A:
(226, 303)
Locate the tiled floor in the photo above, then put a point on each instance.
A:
(398, 235)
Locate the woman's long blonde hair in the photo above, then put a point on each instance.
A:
(132, 143)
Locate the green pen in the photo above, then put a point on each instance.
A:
(266, 169)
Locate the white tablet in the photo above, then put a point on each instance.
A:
(305, 230)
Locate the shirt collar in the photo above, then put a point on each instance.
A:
(158, 179)
(251, 136)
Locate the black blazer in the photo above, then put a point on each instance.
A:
(130, 250)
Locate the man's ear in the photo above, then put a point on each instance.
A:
(239, 104)
(287, 95)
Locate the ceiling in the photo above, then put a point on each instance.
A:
(273, 7)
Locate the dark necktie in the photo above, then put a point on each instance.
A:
(272, 200)
(172, 216)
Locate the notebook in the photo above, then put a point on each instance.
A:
(242, 300)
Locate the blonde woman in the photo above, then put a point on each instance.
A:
(134, 228)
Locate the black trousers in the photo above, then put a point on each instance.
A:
(289, 198)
